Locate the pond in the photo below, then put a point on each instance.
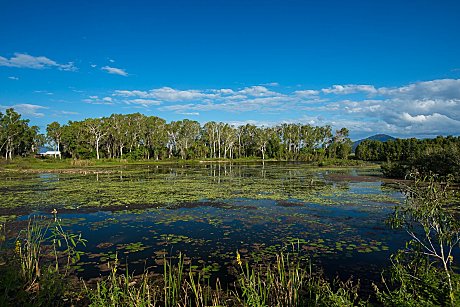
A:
(142, 213)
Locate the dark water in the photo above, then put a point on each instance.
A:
(339, 228)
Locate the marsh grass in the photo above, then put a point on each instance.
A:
(37, 269)
(288, 283)
(175, 287)
(285, 284)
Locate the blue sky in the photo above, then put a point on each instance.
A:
(372, 66)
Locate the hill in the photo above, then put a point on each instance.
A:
(377, 137)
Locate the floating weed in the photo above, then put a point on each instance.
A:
(132, 247)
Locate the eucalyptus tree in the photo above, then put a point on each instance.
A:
(341, 145)
(248, 143)
(156, 135)
(262, 136)
(239, 135)
(228, 138)
(135, 129)
(74, 139)
(188, 131)
(16, 135)
(172, 131)
(210, 137)
(54, 134)
(119, 130)
(97, 130)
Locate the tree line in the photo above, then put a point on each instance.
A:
(440, 155)
(136, 136)
(17, 137)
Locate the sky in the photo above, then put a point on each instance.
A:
(372, 66)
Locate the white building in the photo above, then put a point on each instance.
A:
(54, 153)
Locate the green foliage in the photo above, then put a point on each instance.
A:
(139, 137)
(440, 155)
(122, 290)
(423, 273)
(39, 265)
(175, 288)
(414, 280)
(288, 283)
(340, 146)
(16, 137)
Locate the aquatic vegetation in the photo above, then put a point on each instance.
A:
(175, 287)
(169, 185)
(132, 247)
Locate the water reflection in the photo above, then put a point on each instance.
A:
(210, 210)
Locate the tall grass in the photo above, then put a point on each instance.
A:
(39, 265)
(28, 248)
(122, 290)
(285, 282)
(175, 288)
(288, 284)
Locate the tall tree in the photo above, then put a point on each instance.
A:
(97, 130)
(54, 133)
(15, 134)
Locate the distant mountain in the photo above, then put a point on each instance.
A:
(377, 137)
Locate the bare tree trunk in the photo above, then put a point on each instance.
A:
(97, 148)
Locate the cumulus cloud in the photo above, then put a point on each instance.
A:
(25, 109)
(115, 71)
(435, 89)
(420, 108)
(307, 93)
(97, 100)
(143, 102)
(69, 113)
(257, 91)
(350, 89)
(167, 94)
(23, 60)
(13, 78)
(190, 113)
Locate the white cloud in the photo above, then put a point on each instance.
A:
(143, 102)
(257, 91)
(167, 94)
(307, 93)
(115, 71)
(224, 91)
(44, 92)
(349, 89)
(441, 89)
(69, 113)
(414, 109)
(190, 113)
(93, 65)
(271, 84)
(26, 109)
(431, 124)
(13, 78)
(22, 60)
(97, 100)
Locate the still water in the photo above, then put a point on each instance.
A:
(334, 218)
